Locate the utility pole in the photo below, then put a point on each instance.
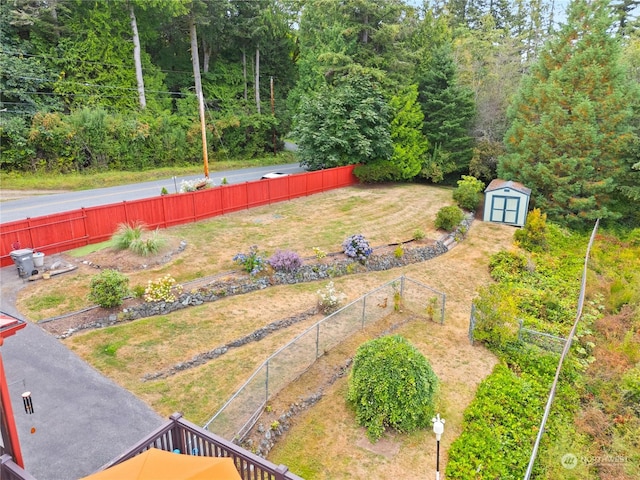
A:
(196, 74)
(273, 112)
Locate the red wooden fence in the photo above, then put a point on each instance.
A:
(65, 231)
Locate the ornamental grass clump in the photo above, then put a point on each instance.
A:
(391, 385)
(252, 262)
(148, 246)
(357, 247)
(126, 234)
(285, 261)
(162, 290)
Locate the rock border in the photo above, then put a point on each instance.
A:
(306, 273)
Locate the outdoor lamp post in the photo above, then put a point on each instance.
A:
(438, 429)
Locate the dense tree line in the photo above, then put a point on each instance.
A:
(408, 91)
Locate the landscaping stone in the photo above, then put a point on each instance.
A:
(310, 272)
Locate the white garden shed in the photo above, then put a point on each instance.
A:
(506, 201)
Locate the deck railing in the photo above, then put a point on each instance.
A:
(9, 470)
(179, 435)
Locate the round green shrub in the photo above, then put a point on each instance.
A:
(468, 193)
(109, 288)
(391, 385)
(448, 218)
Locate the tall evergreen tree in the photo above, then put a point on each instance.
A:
(409, 143)
(571, 134)
(449, 110)
(343, 124)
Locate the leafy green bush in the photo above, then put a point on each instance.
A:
(496, 314)
(502, 418)
(252, 262)
(162, 290)
(468, 193)
(507, 266)
(533, 236)
(109, 288)
(506, 412)
(380, 171)
(448, 218)
(391, 385)
(634, 237)
(418, 234)
(138, 291)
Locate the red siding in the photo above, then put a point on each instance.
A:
(68, 230)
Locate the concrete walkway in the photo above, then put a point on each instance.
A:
(82, 419)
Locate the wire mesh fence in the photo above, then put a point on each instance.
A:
(543, 340)
(238, 415)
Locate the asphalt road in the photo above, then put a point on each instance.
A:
(41, 205)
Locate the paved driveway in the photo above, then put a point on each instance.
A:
(82, 419)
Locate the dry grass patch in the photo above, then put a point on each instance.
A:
(324, 441)
(383, 214)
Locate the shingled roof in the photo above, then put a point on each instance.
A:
(498, 184)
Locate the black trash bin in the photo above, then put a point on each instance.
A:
(23, 259)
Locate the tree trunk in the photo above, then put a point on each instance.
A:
(244, 73)
(54, 16)
(365, 32)
(136, 58)
(206, 56)
(257, 82)
(198, 83)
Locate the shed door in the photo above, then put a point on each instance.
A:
(505, 209)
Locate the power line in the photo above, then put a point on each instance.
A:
(91, 62)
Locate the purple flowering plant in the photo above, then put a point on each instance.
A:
(285, 261)
(356, 246)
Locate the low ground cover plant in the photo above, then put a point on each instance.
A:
(162, 290)
(505, 415)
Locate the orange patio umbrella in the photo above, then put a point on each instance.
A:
(155, 464)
